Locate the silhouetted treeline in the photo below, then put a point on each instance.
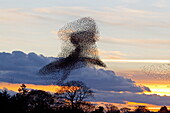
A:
(68, 99)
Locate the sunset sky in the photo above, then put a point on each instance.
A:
(134, 37)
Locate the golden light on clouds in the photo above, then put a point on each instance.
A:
(137, 61)
(14, 87)
(159, 89)
(151, 107)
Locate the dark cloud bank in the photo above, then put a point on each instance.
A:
(18, 67)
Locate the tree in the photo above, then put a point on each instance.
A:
(141, 109)
(23, 90)
(100, 109)
(74, 93)
(112, 109)
(163, 110)
(87, 107)
(19, 100)
(39, 101)
(125, 110)
(34, 101)
(5, 101)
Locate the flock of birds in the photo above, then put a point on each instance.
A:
(79, 50)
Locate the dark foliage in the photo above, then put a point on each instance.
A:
(38, 101)
(4, 101)
(34, 101)
(141, 109)
(100, 109)
(164, 109)
(111, 109)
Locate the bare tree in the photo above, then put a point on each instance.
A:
(74, 93)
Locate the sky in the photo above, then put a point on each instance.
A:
(134, 35)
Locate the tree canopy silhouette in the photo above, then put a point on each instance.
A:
(111, 108)
(4, 101)
(74, 95)
(164, 109)
(141, 109)
(39, 101)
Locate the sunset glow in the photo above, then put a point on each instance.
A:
(131, 105)
(138, 61)
(159, 89)
(131, 39)
(15, 87)
(149, 106)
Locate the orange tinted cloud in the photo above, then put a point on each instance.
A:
(136, 42)
(14, 87)
(112, 54)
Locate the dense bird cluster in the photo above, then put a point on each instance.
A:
(78, 50)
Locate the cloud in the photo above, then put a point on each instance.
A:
(104, 80)
(20, 15)
(18, 67)
(111, 54)
(129, 1)
(161, 4)
(137, 42)
(116, 97)
(118, 16)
